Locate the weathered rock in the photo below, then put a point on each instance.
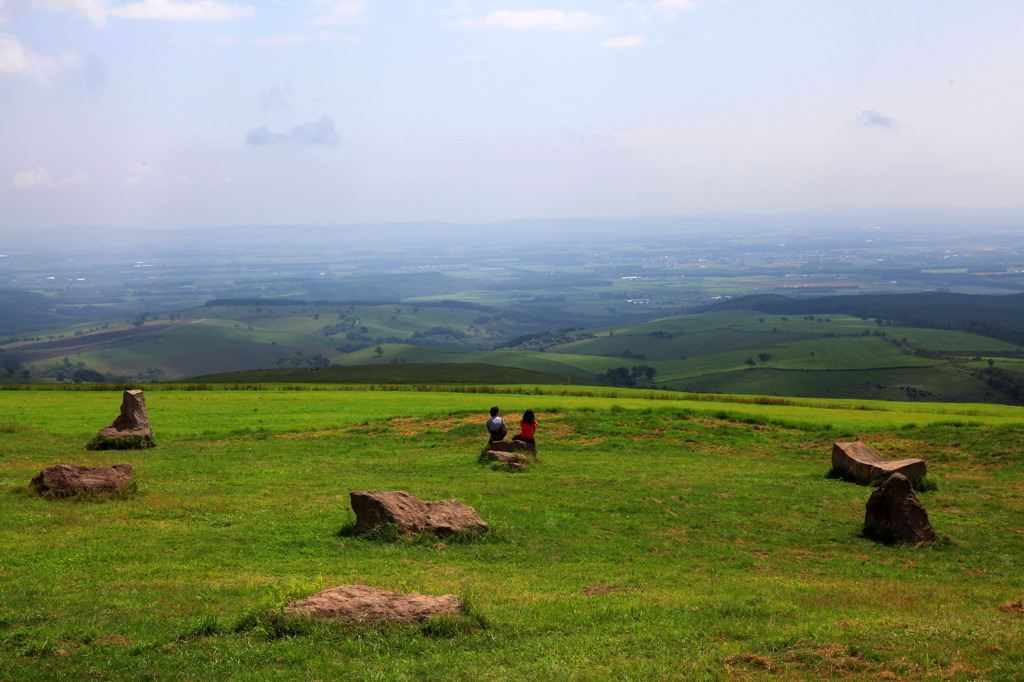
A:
(133, 420)
(369, 605)
(865, 465)
(69, 479)
(894, 511)
(513, 446)
(504, 457)
(412, 515)
(513, 461)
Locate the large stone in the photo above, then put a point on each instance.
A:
(412, 515)
(133, 420)
(865, 466)
(369, 605)
(513, 446)
(512, 460)
(893, 511)
(69, 479)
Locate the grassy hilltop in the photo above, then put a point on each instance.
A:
(662, 536)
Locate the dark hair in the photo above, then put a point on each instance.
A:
(494, 411)
(529, 418)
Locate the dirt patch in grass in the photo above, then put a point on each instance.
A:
(412, 426)
(597, 590)
(1015, 607)
(111, 639)
(752, 662)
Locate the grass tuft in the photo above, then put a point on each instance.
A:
(274, 624)
(207, 626)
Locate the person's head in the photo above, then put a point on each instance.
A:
(494, 411)
(528, 417)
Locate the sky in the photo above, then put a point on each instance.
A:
(140, 114)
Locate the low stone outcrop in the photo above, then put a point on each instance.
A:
(69, 479)
(859, 462)
(513, 446)
(412, 515)
(368, 605)
(133, 422)
(513, 461)
(894, 512)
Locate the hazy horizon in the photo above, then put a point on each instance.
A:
(171, 114)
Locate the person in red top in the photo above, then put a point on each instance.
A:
(527, 426)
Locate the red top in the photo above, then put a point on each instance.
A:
(527, 429)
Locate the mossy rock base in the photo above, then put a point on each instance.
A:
(120, 443)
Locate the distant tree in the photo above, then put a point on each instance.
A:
(618, 376)
(25, 374)
(378, 351)
(91, 376)
(991, 362)
(765, 357)
(761, 320)
(644, 372)
(749, 361)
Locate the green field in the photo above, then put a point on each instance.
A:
(836, 356)
(662, 536)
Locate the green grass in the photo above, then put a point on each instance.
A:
(690, 537)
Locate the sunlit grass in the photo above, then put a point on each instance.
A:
(684, 538)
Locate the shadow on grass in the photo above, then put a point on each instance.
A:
(390, 533)
(120, 443)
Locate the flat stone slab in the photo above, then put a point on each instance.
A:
(412, 515)
(368, 605)
(70, 479)
(866, 466)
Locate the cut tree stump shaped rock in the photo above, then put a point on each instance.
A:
(69, 479)
(865, 465)
(893, 510)
(412, 515)
(513, 446)
(368, 605)
(133, 420)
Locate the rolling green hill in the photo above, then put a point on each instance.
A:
(731, 351)
(404, 373)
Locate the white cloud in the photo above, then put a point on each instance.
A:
(872, 118)
(532, 20)
(139, 172)
(625, 42)
(98, 11)
(40, 177)
(291, 38)
(94, 10)
(203, 10)
(340, 11)
(18, 60)
(320, 132)
(675, 4)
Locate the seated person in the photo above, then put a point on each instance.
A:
(527, 427)
(496, 426)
